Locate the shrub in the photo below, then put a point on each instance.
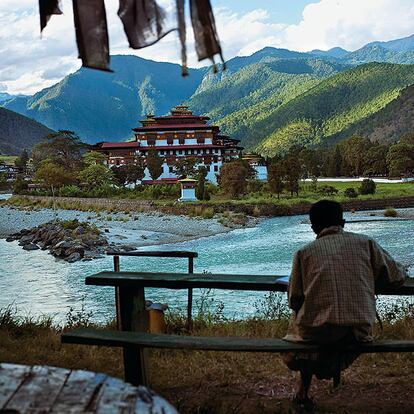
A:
(390, 212)
(70, 191)
(368, 186)
(351, 193)
(327, 190)
(20, 186)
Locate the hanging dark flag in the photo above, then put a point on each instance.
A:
(92, 33)
(205, 34)
(144, 22)
(182, 35)
(46, 9)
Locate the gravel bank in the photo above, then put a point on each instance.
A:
(140, 229)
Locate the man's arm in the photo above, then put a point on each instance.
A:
(295, 291)
(387, 271)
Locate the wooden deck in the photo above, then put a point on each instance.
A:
(45, 389)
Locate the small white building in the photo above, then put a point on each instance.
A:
(188, 190)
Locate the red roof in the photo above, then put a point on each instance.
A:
(174, 126)
(130, 144)
(179, 147)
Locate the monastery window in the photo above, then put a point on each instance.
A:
(151, 141)
(216, 168)
(171, 168)
(170, 141)
(200, 140)
(208, 168)
(181, 141)
(180, 152)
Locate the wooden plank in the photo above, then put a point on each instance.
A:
(119, 339)
(185, 281)
(115, 397)
(39, 390)
(11, 377)
(190, 296)
(153, 253)
(210, 281)
(149, 403)
(134, 318)
(78, 392)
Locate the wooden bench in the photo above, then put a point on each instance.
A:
(190, 256)
(134, 340)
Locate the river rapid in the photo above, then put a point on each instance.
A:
(36, 284)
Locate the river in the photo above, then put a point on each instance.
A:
(37, 284)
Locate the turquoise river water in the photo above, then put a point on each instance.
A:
(35, 283)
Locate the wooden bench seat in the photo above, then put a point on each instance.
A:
(140, 340)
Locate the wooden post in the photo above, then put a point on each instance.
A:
(190, 296)
(133, 317)
(117, 268)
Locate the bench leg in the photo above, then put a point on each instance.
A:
(337, 379)
(135, 366)
(133, 317)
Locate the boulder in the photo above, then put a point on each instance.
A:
(26, 240)
(74, 257)
(31, 246)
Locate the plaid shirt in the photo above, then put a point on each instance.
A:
(334, 279)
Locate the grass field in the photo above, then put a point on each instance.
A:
(224, 382)
(8, 159)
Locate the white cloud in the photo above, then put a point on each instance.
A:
(29, 63)
(350, 23)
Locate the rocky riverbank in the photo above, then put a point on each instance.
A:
(122, 230)
(68, 240)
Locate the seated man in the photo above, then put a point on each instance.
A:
(332, 293)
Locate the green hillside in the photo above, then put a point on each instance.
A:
(246, 97)
(391, 122)
(332, 108)
(105, 106)
(18, 132)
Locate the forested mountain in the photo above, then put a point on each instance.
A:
(405, 44)
(390, 123)
(332, 109)
(18, 132)
(335, 52)
(275, 95)
(105, 106)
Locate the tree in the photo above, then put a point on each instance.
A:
(233, 177)
(97, 175)
(335, 163)
(201, 189)
(275, 175)
(129, 173)
(94, 158)
(368, 186)
(292, 168)
(353, 153)
(311, 162)
(21, 162)
(154, 164)
(63, 148)
(53, 175)
(120, 174)
(375, 160)
(400, 159)
(185, 167)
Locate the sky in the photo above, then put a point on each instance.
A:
(30, 62)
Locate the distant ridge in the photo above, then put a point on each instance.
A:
(18, 132)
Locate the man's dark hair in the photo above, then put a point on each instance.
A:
(326, 213)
